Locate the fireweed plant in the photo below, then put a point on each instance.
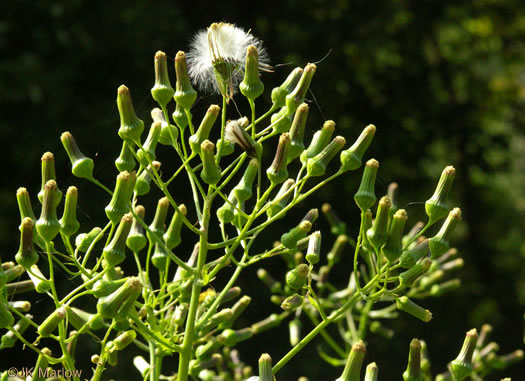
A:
(171, 308)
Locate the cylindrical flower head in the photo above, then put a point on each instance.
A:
(337, 226)
(410, 257)
(354, 362)
(172, 237)
(185, 95)
(290, 239)
(120, 201)
(437, 206)
(180, 117)
(392, 195)
(162, 91)
(231, 338)
(413, 371)
(278, 171)
(124, 339)
(297, 132)
(69, 224)
(461, 367)
(365, 197)
(274, 286)
(393, 247)
(210, 174)
(408, 306)
(445, 287)
(334, 255)
(320, 140)
(150, 145)
(82, 166)
(265, 368)
(439, 244)
(203, 132)
(316, 166)
(143, 183)
(9, 339)
(168, 133)
(296, 278)
(237, 309)
(42, 285)
(377, 234)
(115, 252)
(49, 325)
(6, 318)
(26, 255)
(225, 213)
(157, 225)
(48, 173)
(314, 248)
(84, 240)
(292, 302)
(279, 93)
(371, 372)
(126, 160)
(120, 302)
(219, 317)
(243, 191)
(131, 126)
(235, 133)
(24, 205)
(296, 97)
(251, 86)
(159, 257)
(408, 277)
(351, 158)
(281, 199)
(47, 225)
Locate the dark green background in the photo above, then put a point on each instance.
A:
(443, 81)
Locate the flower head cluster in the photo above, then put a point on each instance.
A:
(217, 58)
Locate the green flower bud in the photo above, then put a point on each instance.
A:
(79, 318)
(292, 302)
(408, 306)
(47, 225)
(281, 121)
(6, 318)
(354, 362)
(392, 195)
(270, 322)
(281, 199)
(314, 248)
(279, 93)
(319, 141)
(437, 206)
(439, 244)
(289, 240)
(205, 350)
(297, 132)
(24, 205)
(413, 371)
(408, 277)
(409, 238)
(225, 213)
(225, 147)
(274, 286)
(334, 255)
(296, 97)
(371, 372)
(49, 325)
(9, 339)
(13, 273)
(143, 183)
(115, 252)
(26, 255)
(131, 126)
(265, 368)
(120, 201)
(218, 318)
(185, 95)
(48, 173)
(351, 158)
(235, 133)
(69, 224)
(251, 86)
(461, 367)
(123, 340)
(168, 133)
(84, 240)
(278, 172)
(377, 234)
(159, 257)
(119, 303)
(316, 166)
(150, 145)
(162, 91)
(180, 313)
(365, 197)
(237, 309)
(204, 129)
(126, 160)
(20, 305)
(294, 329)
(231, 338)
(379, 329)
(296, 278)
(432, 278)
(211, 174)
(157, 226)
(172, 237)
(409, 257)
(445, 287)
(104, 287)
(112, 358)
(41, 365)
(180, 118)
(243, 190)
(82, 165)
(42, 285)
(337, 226)
(142, 365)
(393, 247)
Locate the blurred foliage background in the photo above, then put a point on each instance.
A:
(444, 82)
